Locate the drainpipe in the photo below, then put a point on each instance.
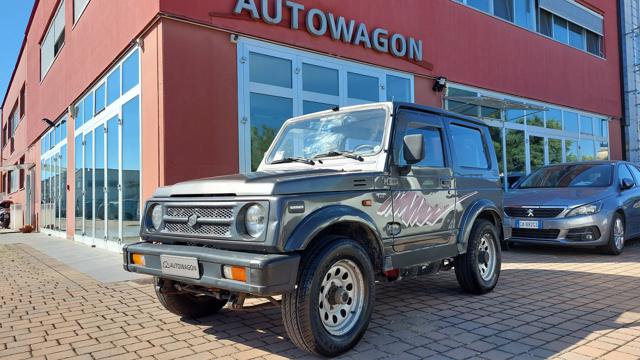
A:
(622, 51)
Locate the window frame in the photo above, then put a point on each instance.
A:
(46, 34)
(76, 19)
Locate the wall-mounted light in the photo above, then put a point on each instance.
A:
(440, 84)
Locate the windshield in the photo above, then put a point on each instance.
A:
(356, 132)
(570, 176)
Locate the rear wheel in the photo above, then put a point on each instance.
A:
(615, 246)
(331, 307)
(478, 269)
(187, 305)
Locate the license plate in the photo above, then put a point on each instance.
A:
(528, 224)
(180, 266)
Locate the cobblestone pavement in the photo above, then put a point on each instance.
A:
(550, 303)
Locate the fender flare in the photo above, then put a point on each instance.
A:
(317, 221)
(469, 218)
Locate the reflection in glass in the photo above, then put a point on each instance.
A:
(88, 107)
(398, 89)
(576, 36)
(362, 87)
(63, 188)
(515, 116)
(535, 118)
(113, 86)
(100, 98)
(554, 119)
(78, 184)
(560, 32)
(587, 150)
(536, 152)
(310, 107)
(270, 70)
(594, 43)
(79, 120)
(603, 151)
(503, 9)
(515, 154)
(482, 5)
(131, 170)
(88, 185)
(489, 112)
(571, 150)
(99, 181)
(496, 138)
(267, 113)
(113, 164)
(546, 23)
(524, 10)
(586, 125)
(571, 122)
(320, 79)
(459, 106)
(555, 151)
(130, 72)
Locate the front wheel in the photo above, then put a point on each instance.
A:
(616, 237)
(187, 305)
(331, 307)
(478, 269)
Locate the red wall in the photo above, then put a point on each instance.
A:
(463, 44)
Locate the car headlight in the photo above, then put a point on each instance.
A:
(156, 216)
(255, 220)
(588, 209)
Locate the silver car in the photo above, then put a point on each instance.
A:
(589, 204)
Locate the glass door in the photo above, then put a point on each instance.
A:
(516, 155)
(537, 153)
(554, 149)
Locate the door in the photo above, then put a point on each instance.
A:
(632, 202)
(423, 199)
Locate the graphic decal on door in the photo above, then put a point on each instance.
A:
(413, 209)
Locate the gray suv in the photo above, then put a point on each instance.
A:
(341, 199)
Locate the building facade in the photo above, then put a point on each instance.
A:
(111, 99)
(630, 47)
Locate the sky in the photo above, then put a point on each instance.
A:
(14, 17)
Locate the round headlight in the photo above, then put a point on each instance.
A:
(255, 220)
(156, 216)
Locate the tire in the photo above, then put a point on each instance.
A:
(186, 305)
(615, 245)
(468, 266)
(303, 309)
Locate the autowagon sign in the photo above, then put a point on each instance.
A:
(320, 23)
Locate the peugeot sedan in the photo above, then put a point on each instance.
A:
(590, 204)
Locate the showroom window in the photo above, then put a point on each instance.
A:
(277, 83)
(53, 41)
(53, 179)
(107, 158)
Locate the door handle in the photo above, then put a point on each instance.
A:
(446, 181)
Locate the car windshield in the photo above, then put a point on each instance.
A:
(570, 176)
(334, 135)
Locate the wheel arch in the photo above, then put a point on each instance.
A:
(481, 209)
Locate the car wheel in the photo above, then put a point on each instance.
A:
(187, 305)
(615, 246)
(331, 307)
(478, 269)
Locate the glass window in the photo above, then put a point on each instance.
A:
(398, 89)
(570, 176)
(489, 112)
(78, 8)
(586, 125)
(503, 9)
(113, 86)
(45, 143)
(88, 185)
(130, 72)
(554, 119)
(131, 170)
(524, 13)
(63, 129)
(470, 147)
(624, 173)
(571, 150)
(113, 166)
(496, 139)
(433, 149)
(268, 113)
(602, 128)
(62, 188)
(482, 5)
(536, 152)
(571, 122)
(14, 180)
(99, 181)
(88, 107)
(546, 23)
(576, 36)
(270, 70)
(363, 87)
(555, 151)
(587, 150)
(100, 98)
(320, 80)
(310, 107)
(594, 43)
(603, 151)
(560, 32)
(53, 41)
(636, 173)
(78, 184)
(516, 166)
(79, 120)
(535, 118)
(461, 106)
(515, 116)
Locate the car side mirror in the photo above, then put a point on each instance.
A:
(413, 148)
(627, 184)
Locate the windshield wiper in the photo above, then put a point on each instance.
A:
(346, 154)
(293, 159)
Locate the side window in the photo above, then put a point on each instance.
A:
(624, 173)
(470, 149)
(636, 173)
(433, 148)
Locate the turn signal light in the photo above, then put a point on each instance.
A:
(236, 273)
(137, 259)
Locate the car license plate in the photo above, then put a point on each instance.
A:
(180, 266)
(528, 224)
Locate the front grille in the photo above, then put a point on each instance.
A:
(203, 212)
(548, 234)
(217, 230)
(523, 212)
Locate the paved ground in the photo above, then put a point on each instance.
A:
(550, 303)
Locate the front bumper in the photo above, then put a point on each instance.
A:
(267, 274)
(563, 226)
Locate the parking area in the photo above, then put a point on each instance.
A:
(549, 303)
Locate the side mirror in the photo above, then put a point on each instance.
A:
(413, 148)
(627, 184)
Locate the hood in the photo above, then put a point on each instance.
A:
(272, 183)
(561, 197)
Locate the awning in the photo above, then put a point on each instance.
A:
(16, 167)
(496, 103)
